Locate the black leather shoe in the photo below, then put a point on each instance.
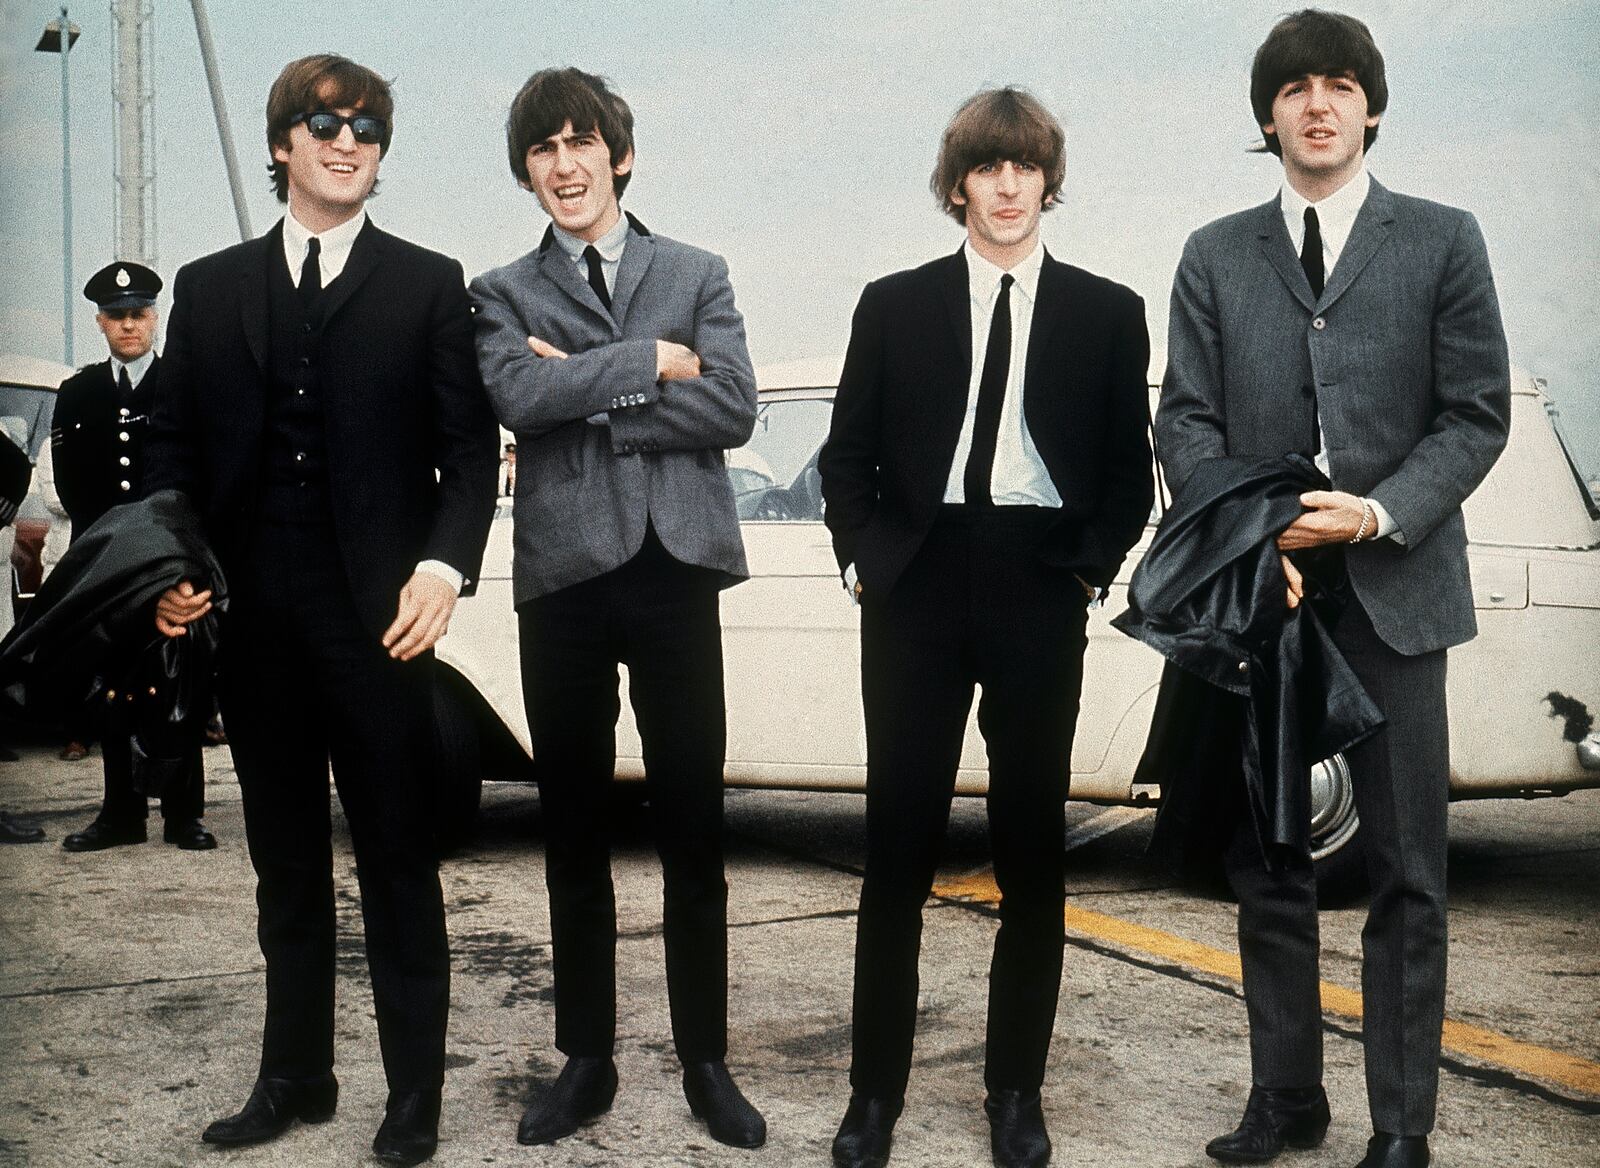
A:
(714, 1097)
(100, 835)
(189, 834)
(583, 1090)
(14, 832)
(410, 1129)
(273, 1105)
(867, 1132)
(1017, 1138)
(1386, 1151)
(1275, 1117)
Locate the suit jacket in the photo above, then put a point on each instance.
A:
(412, 446)
(92, 459)
(1404, 358)
(585, 491)
(903, 394)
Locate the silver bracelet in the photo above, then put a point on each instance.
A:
(1366, 518)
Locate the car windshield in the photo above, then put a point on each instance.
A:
(774, 475)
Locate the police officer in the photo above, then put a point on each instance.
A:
(101, 417)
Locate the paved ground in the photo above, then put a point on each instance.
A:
(130, 995)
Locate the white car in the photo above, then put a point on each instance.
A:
(792, 649)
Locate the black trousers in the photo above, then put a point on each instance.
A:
(182, 800)
(658, 617)
(975, 607)
(305, 684)
(1401, 777)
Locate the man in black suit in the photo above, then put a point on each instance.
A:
(97, 439)
(323, 410)
(986, 472)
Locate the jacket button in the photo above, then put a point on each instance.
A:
(1244, 667)
(125, 485)
(123, 412)
(125, 461)
(1319, 324)
(122, 435)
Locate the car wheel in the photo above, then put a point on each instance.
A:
(459, 766)
(1336, 843)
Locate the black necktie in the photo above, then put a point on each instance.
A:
(597, 277)
(991, 397)
(311, 272)
(124, 384)
(1311, 252)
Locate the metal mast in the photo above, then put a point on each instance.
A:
(133, 91)
(230, 159)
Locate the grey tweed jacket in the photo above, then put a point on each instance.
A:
(1404, 357)
(586, 491)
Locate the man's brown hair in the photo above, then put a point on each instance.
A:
(550, 99)
(1309, 43)
(998, 125)
(323, 81)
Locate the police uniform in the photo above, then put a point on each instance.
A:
(97, 437)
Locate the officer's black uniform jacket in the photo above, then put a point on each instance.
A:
(1251, 685)
(90, 630)
(97, 441)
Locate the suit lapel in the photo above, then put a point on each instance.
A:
(1372, 226)
(253, 290)
(365, 255)
(636, 257)
(1049, 309)
(957, 291)
(559, 269)
(1276, 245)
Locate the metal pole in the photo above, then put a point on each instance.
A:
(208, 55)
(66, 192)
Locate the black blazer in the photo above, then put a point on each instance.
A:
(412, 445)
(903, 394)
(86, 441)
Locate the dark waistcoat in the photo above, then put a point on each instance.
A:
(295, 456)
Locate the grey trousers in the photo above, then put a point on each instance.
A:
(1402, 784)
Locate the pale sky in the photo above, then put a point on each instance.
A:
(796, 140)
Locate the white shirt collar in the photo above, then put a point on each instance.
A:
(1336, 214)
(609, 245)
(983, 277)
(136, 368)
(336, 245)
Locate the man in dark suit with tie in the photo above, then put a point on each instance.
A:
(1361, 327)
(618, 359)
(986, 472)
(97, 440)
(322, 409)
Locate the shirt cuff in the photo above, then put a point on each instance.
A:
(850, 583)
(1386, 524)
(445, 572)
(603, 418)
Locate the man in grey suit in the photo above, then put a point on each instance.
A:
(1361, 327)
(618, 359)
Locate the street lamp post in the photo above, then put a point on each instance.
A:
(59, 36)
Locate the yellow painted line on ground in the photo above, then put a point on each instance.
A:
(1485, 1046)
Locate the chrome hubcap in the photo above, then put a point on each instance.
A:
(1333, 807)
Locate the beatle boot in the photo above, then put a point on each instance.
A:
(1273, 1118)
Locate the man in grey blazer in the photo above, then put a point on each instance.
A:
(618, 359)
(1360, 327)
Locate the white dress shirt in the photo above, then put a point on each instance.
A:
(336, 245)
(1019, 477)
(136, 368)
(1336, 216)
(335, 253)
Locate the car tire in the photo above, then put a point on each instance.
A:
(1338, 854)
(459, 763)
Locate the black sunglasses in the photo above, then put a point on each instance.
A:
(324, 126)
